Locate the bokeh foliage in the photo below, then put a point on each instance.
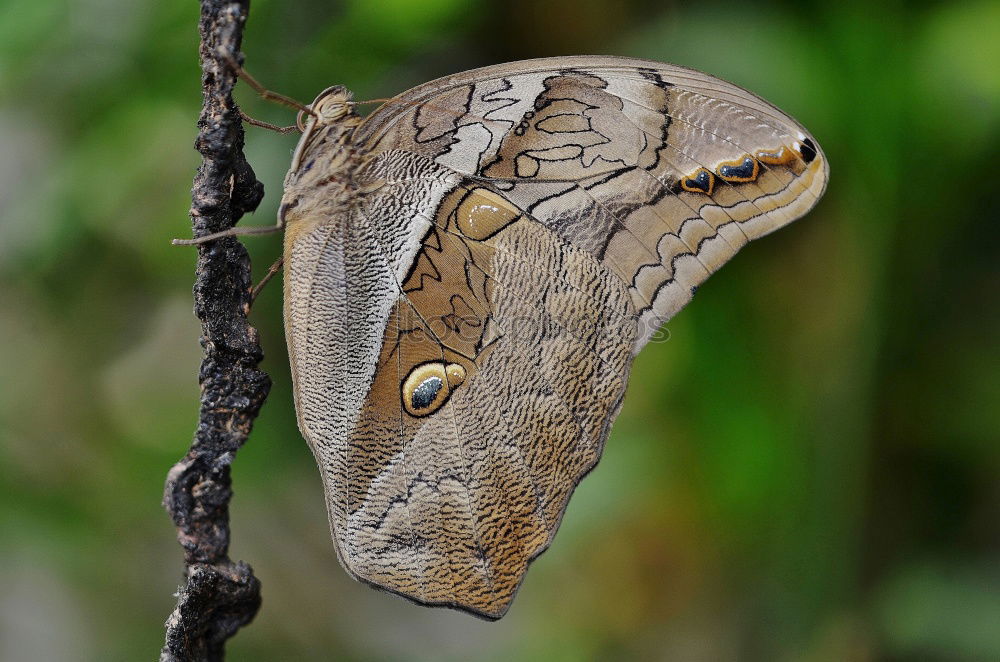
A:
(807, 470)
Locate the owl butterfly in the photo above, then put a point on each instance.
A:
(469, 272)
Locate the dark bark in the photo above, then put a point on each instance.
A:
(218, 596)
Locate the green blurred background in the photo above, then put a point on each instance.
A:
(807, 470)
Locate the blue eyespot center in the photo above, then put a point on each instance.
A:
(423, 395)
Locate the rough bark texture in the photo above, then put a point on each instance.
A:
(218, 596)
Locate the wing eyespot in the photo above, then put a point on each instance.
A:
(741, 170)
(808, 150)
(482, 214)
(429, 385)
(702, 181)
(780, 156)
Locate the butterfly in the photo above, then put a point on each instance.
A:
(470, 270)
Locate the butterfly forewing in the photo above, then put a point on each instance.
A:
(470, 272)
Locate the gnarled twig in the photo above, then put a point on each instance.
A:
(218, 596)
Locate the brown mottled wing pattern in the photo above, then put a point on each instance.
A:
(461, 335)
(452, 490)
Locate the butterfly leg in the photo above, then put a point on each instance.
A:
(260, 89)
(238, 231)
(268, 125)
(275, 268)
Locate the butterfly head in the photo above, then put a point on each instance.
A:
(333, 104)
(328, 121)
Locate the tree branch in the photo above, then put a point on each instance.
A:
(218, 596)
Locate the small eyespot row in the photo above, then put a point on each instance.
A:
(748, 167)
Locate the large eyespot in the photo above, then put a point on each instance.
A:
(483, 213)
(429, 385)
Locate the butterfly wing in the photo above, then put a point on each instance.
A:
(661, 172)
(461, 336)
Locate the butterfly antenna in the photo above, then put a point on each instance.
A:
(370, 101)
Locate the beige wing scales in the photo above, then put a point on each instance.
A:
(462, 321)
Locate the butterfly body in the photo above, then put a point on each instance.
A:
(470, 271)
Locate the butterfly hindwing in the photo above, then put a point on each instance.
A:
(503, 358)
